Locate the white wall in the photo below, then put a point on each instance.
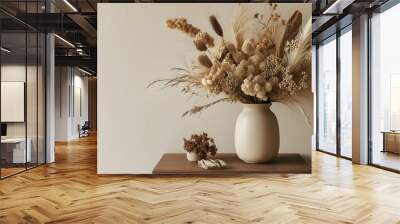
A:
(80, 110)
(62, 80)
(137, 125)
(67, 117)
(18, 73)
(12, 101)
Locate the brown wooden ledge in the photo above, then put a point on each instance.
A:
(177, 164)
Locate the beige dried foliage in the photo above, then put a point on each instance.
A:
(292, 29)
(204, 38)
(240, 26)
(181, 24)
(269, 60)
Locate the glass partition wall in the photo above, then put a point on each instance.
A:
(334, 94)
(345, 91)
(385, 90)
(327, 95)
(22, 98)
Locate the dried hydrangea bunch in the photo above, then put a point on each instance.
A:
(269, 60)
(201, 144)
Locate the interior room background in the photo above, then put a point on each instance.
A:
(71, 102)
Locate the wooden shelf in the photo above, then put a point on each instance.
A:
(177, 164)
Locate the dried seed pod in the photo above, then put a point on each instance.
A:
(205, 61)
(182, 25)
(216, 26)
(201, 46)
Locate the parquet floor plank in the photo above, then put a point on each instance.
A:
(70, 191)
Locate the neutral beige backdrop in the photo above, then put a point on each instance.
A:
(137, 125)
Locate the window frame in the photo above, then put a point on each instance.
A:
(337, 35)
(381, 9)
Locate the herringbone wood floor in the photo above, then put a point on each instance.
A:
(69, 191)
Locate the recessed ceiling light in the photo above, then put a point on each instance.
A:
(64, 40)
(70, 5)
(84, 71)
(333, 6)
(337, 7)
(5, 50)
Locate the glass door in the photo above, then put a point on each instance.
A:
(22, 92)
(14, 153)
(345, 92)
(326, 99)
(385, 90)
(334, 94)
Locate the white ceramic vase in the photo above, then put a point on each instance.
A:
(192, 156)
(257, 134)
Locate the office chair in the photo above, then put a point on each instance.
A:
(84, 130)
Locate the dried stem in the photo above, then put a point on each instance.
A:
(198, 109)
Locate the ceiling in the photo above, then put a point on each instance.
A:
(75, 23)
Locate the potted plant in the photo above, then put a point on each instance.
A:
(199, 146)
(268, 61)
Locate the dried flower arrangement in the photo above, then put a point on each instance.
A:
(269, 61)
(201, 144)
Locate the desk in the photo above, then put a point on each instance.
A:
(391, 141)
(13, 150)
